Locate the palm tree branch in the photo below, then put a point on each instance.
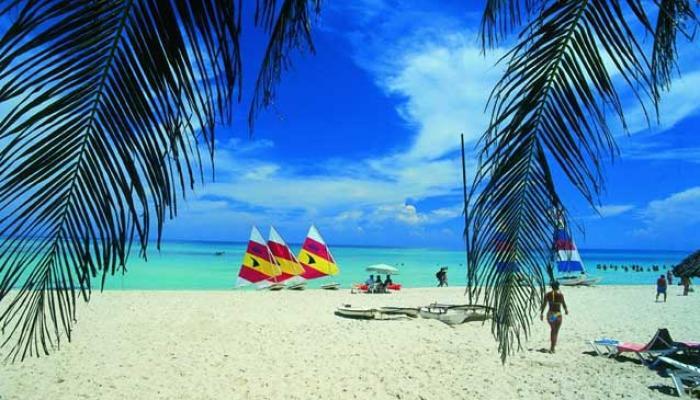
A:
(108, 104)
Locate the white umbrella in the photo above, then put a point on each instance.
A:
(382, 269)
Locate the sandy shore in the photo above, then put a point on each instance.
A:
(290, 345)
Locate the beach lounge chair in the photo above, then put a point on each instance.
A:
(660, 345)
(682, 373)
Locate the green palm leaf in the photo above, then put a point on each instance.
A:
(550, 108)
(290, 30)
(108, 102)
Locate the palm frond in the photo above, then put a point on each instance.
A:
(108, 102)
(501, 17)
(675, 16)
(550, 107)
(291, 30)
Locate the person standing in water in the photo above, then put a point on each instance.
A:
(554, 301)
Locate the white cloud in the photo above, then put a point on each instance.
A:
(673, 213)
(680, 102)
(612, 210)
(445, 85)
(442, 81)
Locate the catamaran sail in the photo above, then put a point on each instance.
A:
(288, 263)
(568, 261)
(315, 257)
(258, 263)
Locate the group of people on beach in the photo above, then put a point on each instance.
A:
(376, 285)
(663, 282)
(554, 303)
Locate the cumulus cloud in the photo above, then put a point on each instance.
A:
(445, 86)
(674, 213)
(681, 102)
(612, 210)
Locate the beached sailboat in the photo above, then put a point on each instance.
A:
(316, 259)
(290, 269)
(569, 263)
(258, 264)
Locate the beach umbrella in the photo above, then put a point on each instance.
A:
(382, 269)
(690, 266)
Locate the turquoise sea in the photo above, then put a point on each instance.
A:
(195, 266)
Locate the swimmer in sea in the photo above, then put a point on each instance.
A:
(554, 300)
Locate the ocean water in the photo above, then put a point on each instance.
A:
(195, 266)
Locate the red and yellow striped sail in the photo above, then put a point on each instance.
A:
(284, 257)
(258, 263)
(315, 257)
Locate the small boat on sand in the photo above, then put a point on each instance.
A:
(454, 314)
(407, 311)
(348, 311)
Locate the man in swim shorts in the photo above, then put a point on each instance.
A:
(661, 287)
(555, 300)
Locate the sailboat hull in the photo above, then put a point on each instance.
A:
(571, 281)
(331, 286)
(297, 286)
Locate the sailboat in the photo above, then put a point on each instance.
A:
(288, 263)
(316, 259)
(258, 264)
(568, 261)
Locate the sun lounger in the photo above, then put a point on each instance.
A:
(660, 345)
(682, 373)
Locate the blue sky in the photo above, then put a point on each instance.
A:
(363, 141)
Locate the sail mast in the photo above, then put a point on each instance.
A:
(466, 222)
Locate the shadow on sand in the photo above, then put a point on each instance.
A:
(621, 359)
(664, 389)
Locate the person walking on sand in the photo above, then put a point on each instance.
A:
(685, 281)
(661, 287)
(554, 300)
(669, 277)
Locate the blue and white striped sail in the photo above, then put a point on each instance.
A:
(567, 257)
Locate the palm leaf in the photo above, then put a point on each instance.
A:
(108, 103)
(675, 16)
(550, 107)
(290, 30)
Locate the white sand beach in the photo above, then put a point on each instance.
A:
(290, 345)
